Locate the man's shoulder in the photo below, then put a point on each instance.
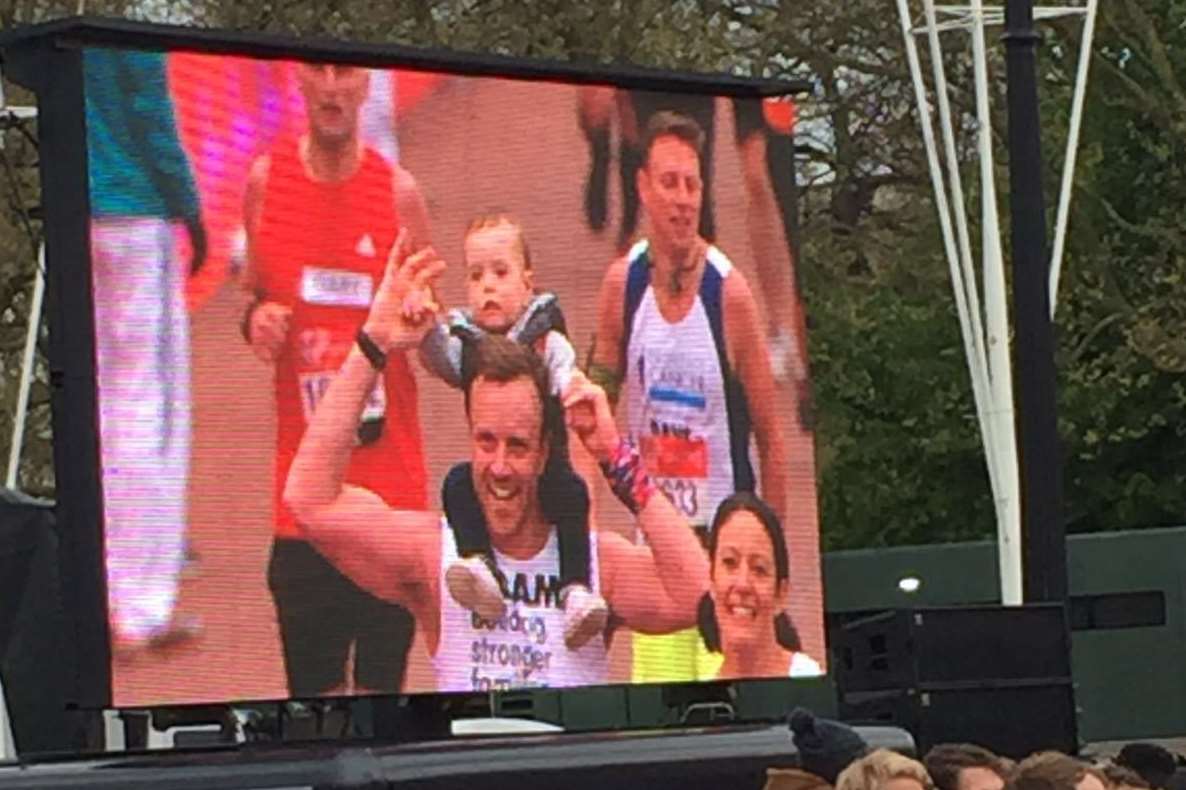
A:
(615, 273)
(721, 263)
(401, 177)
(735, 289)
(633, 262)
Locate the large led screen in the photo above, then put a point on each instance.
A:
(418, 382)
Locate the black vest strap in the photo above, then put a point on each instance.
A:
(566, 505)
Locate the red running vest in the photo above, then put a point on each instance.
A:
(321, 250)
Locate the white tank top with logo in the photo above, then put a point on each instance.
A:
(675, 392)
(525, 649)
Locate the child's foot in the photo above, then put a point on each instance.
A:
(472, 584)
(585, 615)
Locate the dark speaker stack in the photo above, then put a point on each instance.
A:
(992, 675)
(36, 646)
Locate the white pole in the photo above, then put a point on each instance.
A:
(1068, 166)
(996, 319)
(976, 364)
(957, 189)
(27, 364)
(968, 272)
(7, 743)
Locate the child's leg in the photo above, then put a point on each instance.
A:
(472, 579)
(464, 513)
(564, 499)
(567, 506)
(586, 612)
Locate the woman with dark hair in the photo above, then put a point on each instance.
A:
(742, 616)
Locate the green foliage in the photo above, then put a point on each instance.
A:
(899, 446)
(1123, 346)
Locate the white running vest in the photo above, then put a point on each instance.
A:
(677, 409)
(526, 648)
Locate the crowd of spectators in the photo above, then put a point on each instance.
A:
(833, 756)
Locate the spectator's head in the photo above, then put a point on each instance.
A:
(1151, 762)
(1055, 771)
(825, 747)
(884, 770)
(793, 779)
(498, 275)
(506, 400)
(1121, 778)
(670, 186)
(964, 766)
(334, 94)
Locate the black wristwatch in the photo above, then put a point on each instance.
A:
(375, 355)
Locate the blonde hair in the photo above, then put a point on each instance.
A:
(493, 219)
(872, 771)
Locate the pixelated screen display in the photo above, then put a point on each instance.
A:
(417, 382)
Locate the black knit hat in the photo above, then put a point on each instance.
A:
(1155, 764)
(825, 747)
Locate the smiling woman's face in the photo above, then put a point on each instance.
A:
(745, 585)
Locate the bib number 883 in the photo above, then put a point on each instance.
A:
(682, 493)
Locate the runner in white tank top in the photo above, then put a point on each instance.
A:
(677, 407)
(679, 338)
(525, 648)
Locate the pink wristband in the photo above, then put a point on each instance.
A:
(627, 477)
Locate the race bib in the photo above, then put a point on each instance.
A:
(336, 288)
(314, 386)
(679, 466)
(684, 494)
(675, 456)
(321, 353)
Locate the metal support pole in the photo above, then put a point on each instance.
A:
(27, 363)
(973, 349)
(1068, 167)
(996, 325)
(1043, 530)
(7, 743)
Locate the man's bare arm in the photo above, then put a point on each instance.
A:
(655, 588)
(751, 361)
(605, 366)
(635, 595)
(253, 209)
(383, 550)
(412, 208)
(265, 322)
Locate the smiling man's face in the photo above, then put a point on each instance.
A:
(508, 450)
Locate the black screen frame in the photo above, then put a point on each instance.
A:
(48, 59)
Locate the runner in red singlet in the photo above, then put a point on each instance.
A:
(322, 212)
